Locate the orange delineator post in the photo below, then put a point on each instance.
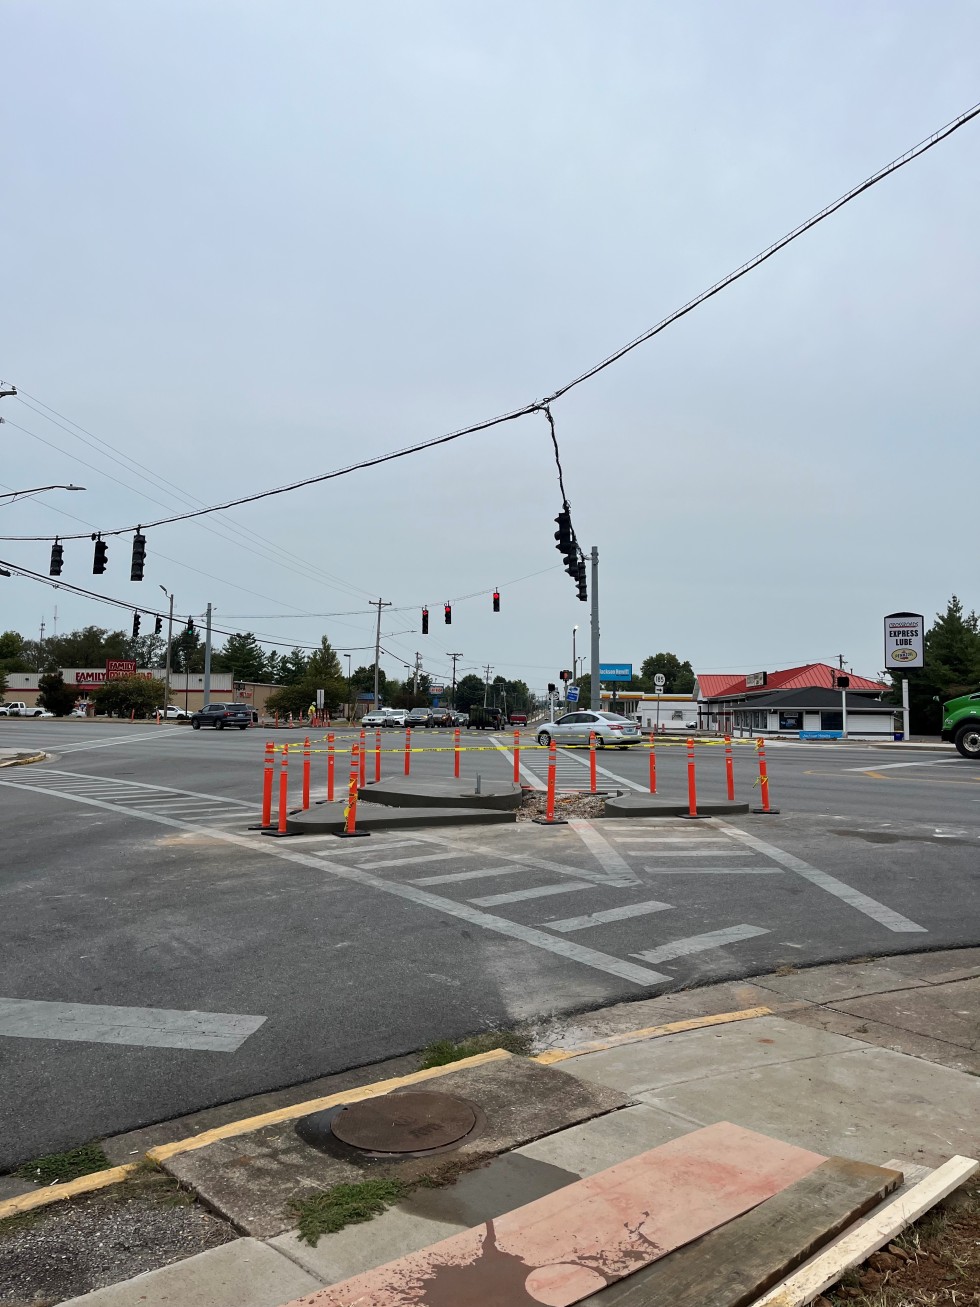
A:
(408, 750)
(765, 810)
(267, 769)
(517, 757)
(330, 767)
(350, 811)
(363, 759)
(283, 790)
(592, 775)
(692, 787)
(552, 778)
(653, 766)
(456, 752)
(377, 756)
(729, 768)
(306, 773)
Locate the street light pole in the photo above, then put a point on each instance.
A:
(350, 710)
(455, 657)
(574, 660)
(170, 637)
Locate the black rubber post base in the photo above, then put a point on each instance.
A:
(260, 828)
(694, 816)
(544, 821)
(352, 834)
(278, 834)
(766, 812)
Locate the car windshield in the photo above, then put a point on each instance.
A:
(614, 717)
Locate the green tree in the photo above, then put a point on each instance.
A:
(362, 681)
(243, 656)
(679, 676)
(126, 694)
(187, 652)
(55, 695)
(148, 650)
(292, 667)
(585, 689)
(3, 679)
(13, 655)
(469, 690)
(90, 646)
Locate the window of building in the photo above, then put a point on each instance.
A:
(831, 721)
(791, 721)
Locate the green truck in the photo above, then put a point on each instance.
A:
(961, 724)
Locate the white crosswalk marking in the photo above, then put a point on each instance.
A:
(451, 877)
(682, 948)
(540, 892)
(609, 914)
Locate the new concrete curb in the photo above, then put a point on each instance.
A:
(642, 805)
(449, 792)
(328, 818)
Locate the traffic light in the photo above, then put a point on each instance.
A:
(139, 557)
(583, 590)
(449, 614)
(57, 554)
(564, 676)
(551, 687)
(101, 556)
(843, 682)
(425, 621)
(158, 626)
(190, 626)
(496, 601)
(136, 625)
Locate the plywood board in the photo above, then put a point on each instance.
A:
(567, 1245)
(731, 1266)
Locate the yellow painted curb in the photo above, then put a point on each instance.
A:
(54, 1193)
(250, 1123)
(650, 1032)
(24, 762)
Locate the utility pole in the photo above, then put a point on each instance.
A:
(486, 684)
(415, 674)
(455, 657)
(40, 648)
(574, 659)
(207, 659)
(170, 640)
(379, 604)
(594, 700)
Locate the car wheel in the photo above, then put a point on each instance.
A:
(544, 738)
(600, 742)
(219, 726)
(243, 728)
(968, 742)
(196, 725)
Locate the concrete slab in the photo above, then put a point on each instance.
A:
(887, 1036)
(585, 1149)
(245, 1273)
(869, 1104)
(328, 818)
(698, 1055)
(828, 984)
(944, 1012)
(449, 792)
(253, 1178)
(427, 1216)
(11, 1186)
(642, 805)
(938, 968)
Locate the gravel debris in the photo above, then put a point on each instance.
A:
(74, 1247)
(534, 805)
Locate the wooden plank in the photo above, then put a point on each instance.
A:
(855, 1245)
(732, 1265)
(580, 1238)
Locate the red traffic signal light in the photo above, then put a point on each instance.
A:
(565, 676)
(496, 601)
(449, 614)
(425, 621)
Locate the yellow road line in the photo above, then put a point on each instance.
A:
(650, 1032)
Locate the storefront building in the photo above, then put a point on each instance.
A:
(798, 701)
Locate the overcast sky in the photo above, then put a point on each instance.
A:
(248, 242)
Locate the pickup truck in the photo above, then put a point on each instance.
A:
(19, 709)
(484, 719)
(961, 724)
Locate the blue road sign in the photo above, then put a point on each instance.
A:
(615, 671)
(571, 694)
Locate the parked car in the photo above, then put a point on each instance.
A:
(609, 728)
(485, 718)
(220, 715)
(373, 720)
(518, 719)
(172, 711)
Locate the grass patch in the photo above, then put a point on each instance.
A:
(59, 1167)
(345, 1204)
(444, 1051)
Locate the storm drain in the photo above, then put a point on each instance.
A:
(409, 1124)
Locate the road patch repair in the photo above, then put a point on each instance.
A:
(566, 1177)
(20, 757)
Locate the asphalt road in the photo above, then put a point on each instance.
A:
(157, 957)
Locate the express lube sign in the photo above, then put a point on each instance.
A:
(904, 636)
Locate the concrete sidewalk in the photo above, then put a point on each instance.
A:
(872, 1061)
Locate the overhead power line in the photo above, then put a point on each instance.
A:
(542, 405)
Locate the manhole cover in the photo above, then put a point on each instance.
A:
(405, 1123)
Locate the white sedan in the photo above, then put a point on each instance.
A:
(609, 728)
